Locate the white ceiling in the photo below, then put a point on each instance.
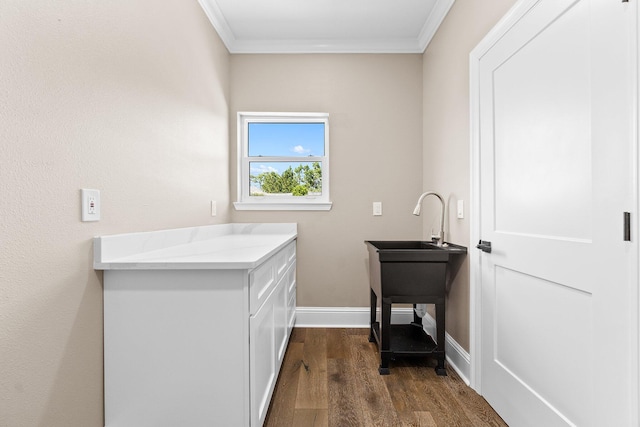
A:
(326, 26)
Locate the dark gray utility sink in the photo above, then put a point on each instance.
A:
(413, 272)
(406, 268)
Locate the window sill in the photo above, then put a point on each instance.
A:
(268, 206)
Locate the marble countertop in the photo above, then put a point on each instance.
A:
(224, 246)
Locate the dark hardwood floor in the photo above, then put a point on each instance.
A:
(330, 377)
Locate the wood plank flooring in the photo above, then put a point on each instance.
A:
(329, 378)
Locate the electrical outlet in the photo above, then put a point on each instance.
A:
(90, 200)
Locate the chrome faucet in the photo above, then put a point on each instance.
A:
(416, 212)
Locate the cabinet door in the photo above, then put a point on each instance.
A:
(291, 296)
(262, 344)
(281, 316)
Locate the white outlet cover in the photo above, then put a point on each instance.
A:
(90, 200)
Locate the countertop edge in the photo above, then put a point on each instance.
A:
(191, 265)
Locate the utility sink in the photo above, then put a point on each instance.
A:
(410, 267)
(413, 272)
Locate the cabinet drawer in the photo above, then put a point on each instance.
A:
(280, 263)
(290, 252)
(262, 280)
(284, 258)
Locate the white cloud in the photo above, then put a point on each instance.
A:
(300, 149)
(261, 169)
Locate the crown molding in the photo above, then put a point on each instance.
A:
(433, 22)
(406, 45)
(218, 21)
(324, 46)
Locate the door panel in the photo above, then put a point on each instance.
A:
(535, 348)
(556, 169)
(547, 175)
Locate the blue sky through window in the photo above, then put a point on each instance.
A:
(286, 139)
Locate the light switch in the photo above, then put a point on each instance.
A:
(377, 208)
(460, 209)
(90, 200)
(214, 208)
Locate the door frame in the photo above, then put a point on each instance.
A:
(513, 16)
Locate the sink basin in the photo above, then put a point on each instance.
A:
(413, 250)
(409, 267)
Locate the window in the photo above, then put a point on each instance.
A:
(283, 161)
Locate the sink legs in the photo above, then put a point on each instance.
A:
(372, 320)
(440, 338)
(385, 339)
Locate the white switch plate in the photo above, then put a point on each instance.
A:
(460, 209)
(90, 200)
(377, 208)
(214, 208)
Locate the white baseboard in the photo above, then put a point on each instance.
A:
(358, 317)
(457, 356)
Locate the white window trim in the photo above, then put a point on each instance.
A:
(301, 203)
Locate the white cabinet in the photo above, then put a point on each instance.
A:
(196, 347)
(269, 327)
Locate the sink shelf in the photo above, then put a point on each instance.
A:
(407, 340)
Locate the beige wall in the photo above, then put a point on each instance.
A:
(136, 99)
(375, 107)
(129, 97)
(446, 133)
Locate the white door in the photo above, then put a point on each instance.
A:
(556, 165)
